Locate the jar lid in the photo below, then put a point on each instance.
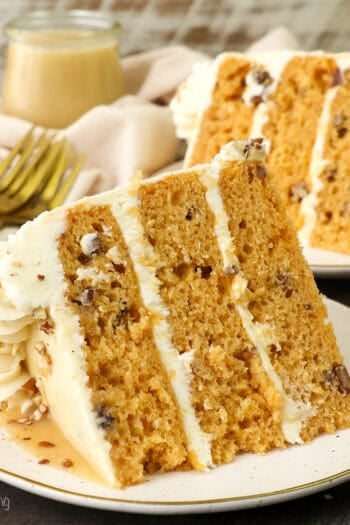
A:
(74, 28)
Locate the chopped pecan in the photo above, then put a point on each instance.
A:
(298, 192)
(30, 386)
(47, 326)
(343, 377)
(67, 463)
(261, 76)
(104, 417)
(336, 77)
(261, 172)
(231, 270)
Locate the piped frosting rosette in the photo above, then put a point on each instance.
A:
(14, 331)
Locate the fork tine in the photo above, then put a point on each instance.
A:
(52, 184)
(46, 200)
(67, 184)
(23, 170)
(6, 162)
(38, 179)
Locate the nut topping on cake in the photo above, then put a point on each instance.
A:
(338, 123)
(343, 377)
(30, 387)
(87, 297)
(261, 172)
(47, 326)
(285, 282)
(341, 132)
(261, 76)
(298, 192)
(337, 77)
(46, 444)
(104, 417)
(91, 244)
(331, 174)
(256, 100)
(205, 271)
(67, 463)
(3, 405)
(231, 270)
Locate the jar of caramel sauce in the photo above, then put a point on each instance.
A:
(59, 65)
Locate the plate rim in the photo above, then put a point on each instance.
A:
(232, 503)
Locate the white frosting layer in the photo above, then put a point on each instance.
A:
(192, 96)
(274, 64)
(317, 165)
(63, 384)
(261, 334)
(126, 212)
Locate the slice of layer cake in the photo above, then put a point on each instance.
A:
(171, 324)
(299, 102)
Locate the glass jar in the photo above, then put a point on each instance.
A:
(59, 65)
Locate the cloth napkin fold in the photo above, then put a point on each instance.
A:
(137, 131)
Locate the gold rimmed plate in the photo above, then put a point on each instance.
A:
(250, 481)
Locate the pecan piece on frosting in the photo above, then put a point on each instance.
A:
(262, 77)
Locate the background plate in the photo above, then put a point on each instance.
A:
(249, 481)
(327, 264)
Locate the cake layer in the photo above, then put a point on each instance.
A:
(131, 394)
(233, 407)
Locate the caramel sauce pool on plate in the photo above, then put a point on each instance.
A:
(44, 440)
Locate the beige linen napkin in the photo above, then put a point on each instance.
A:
(137, 131)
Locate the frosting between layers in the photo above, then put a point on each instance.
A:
(125, 210)
(261, 334)
(66, 376)
(317, 165)
(274, 64)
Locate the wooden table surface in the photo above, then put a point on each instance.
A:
(210, 26)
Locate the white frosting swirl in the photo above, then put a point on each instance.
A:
(14, 331)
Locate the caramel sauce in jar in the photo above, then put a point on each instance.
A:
(60, 65)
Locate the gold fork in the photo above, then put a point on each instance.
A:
(36, 176)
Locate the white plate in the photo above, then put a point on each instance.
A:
(249, 481)
(326, 263)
